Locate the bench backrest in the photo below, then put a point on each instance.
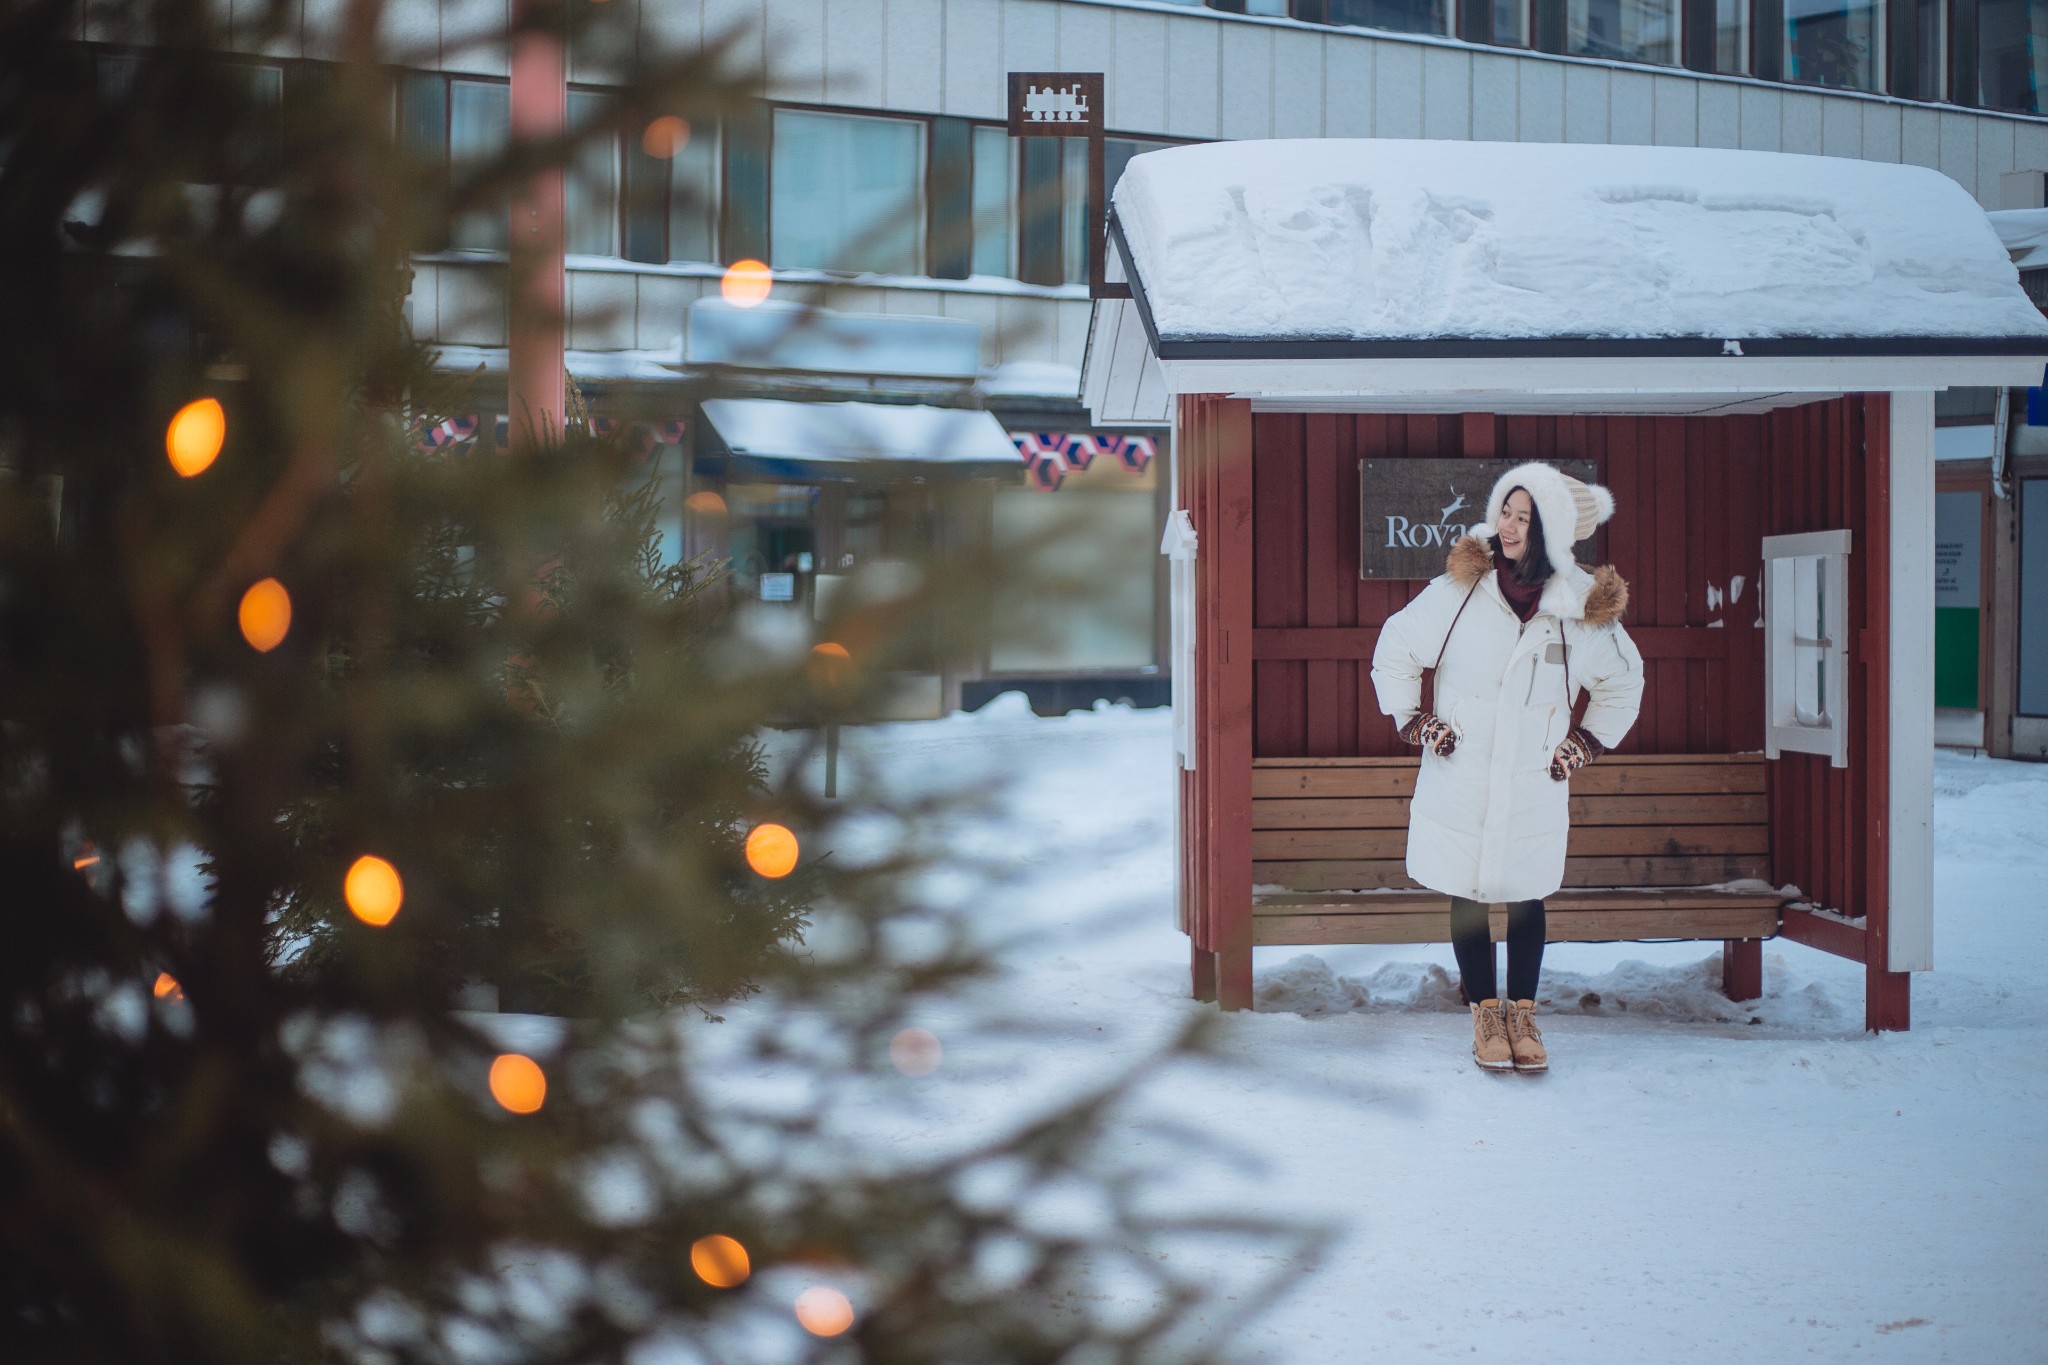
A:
(1321, 824)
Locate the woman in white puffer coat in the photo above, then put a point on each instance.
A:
(1515, 630)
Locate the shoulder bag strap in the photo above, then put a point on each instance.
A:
(1429, 674)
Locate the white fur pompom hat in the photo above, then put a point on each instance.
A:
(1561, 501)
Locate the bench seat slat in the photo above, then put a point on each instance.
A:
(1717, 808)
(1603, 778)
(1586, 841)
(1339, 874)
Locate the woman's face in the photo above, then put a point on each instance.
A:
(1513, 525)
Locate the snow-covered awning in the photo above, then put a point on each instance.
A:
(837, 439)
(1280, 265)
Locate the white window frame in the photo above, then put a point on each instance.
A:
(1785, 650)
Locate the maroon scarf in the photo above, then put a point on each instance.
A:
(1523, 597)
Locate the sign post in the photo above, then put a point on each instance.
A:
(1069, 104)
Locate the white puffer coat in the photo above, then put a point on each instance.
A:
(1489, 823)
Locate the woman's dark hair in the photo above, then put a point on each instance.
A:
(1534, 565)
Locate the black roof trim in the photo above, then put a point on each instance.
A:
(1575, 347)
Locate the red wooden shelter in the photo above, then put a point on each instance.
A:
(1779, 780)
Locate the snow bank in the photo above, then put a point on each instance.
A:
(1385, 239)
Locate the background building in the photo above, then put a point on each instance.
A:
(880, 162)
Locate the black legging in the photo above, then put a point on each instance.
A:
(1472, 940)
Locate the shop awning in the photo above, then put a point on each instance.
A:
(854, 440)
(1350, 268)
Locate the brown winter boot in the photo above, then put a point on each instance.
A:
(1525, 1038)
(1490, 1046)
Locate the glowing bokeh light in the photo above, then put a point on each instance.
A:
(831, 664)
(720, 1261)
(80, 864)
(823, 1311)
(518, 1083)
(705, 503)
(373, 890)
(194, 437)
(265, 615)
(771, 850)
(915, 1051)
(664, 137)
(746, 283)
(167, 987)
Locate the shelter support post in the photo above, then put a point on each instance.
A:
(1742, 968)
(1213, 452)
(1900, 927)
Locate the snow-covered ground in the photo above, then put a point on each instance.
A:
(1693, 1180)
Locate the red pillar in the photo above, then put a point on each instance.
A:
(535, 313)
(1742, 968)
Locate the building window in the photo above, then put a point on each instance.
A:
(1833, 42)
(1400, 16)
(693, 198)
(1806, 653)
(479, 129)
(1731, 37)
(2012, 54)
(846, 192)
(593, 179)
(1624, 30)
(1074, 208)
(1510, 22)
(1922, 69)
(994, 204)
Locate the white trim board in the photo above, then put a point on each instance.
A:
(1909, 945)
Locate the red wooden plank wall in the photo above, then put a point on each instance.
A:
(1831, 469)
(1689, 518)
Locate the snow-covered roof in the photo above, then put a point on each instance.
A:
(2025, 235)
(842, 433)
(1371, 246)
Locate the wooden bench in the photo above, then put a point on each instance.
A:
(1651, 837)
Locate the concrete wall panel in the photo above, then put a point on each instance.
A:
(1678, 111)
(1397, 90)
(1297, 83)
(973, 83)
(1347, 88)
(1880, 131)
(1762, 120)
(1959, 149)
(1585, 103)
(1995, 145)
(1495, 96)
(1631, 108)
(1137, 73)
(1193, 65)
(916, 42)
(1446, 93)
(795, 43)
(1247, 76)
(1920, 137)
(1540, 103)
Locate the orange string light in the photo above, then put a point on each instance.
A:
(771, 850)
(705, 503)
(720, 1261)
(167, 987)
(518, 1083)
(193, 439)
(265, 615)
(665, 137)
(373, 890)
(824, 1311)
(747, 283)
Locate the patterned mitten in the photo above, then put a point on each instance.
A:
(1432, 732)
(1579, 749)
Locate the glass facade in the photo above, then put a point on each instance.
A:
(1624, 30)
(693, 198)
(1834, 42)
(479, 127)
(846, 192)
(1399, 16)
(1731, 37)
(993, 199)
(593, 180)
(2012, 54)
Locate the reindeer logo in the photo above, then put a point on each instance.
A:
(1457, 501)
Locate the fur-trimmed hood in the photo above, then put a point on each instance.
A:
(1598, 597)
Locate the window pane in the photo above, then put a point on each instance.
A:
(1074, 209)
(1731, 36)
(2012, 47)
(1930, 49)
(847, 193)
(1106, 540)
(995, 180)
(693, 212)
(1402, 16)
(479, 126)
(1626, 30)
(1833, 42)
(1510, 23)
(593, 180)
